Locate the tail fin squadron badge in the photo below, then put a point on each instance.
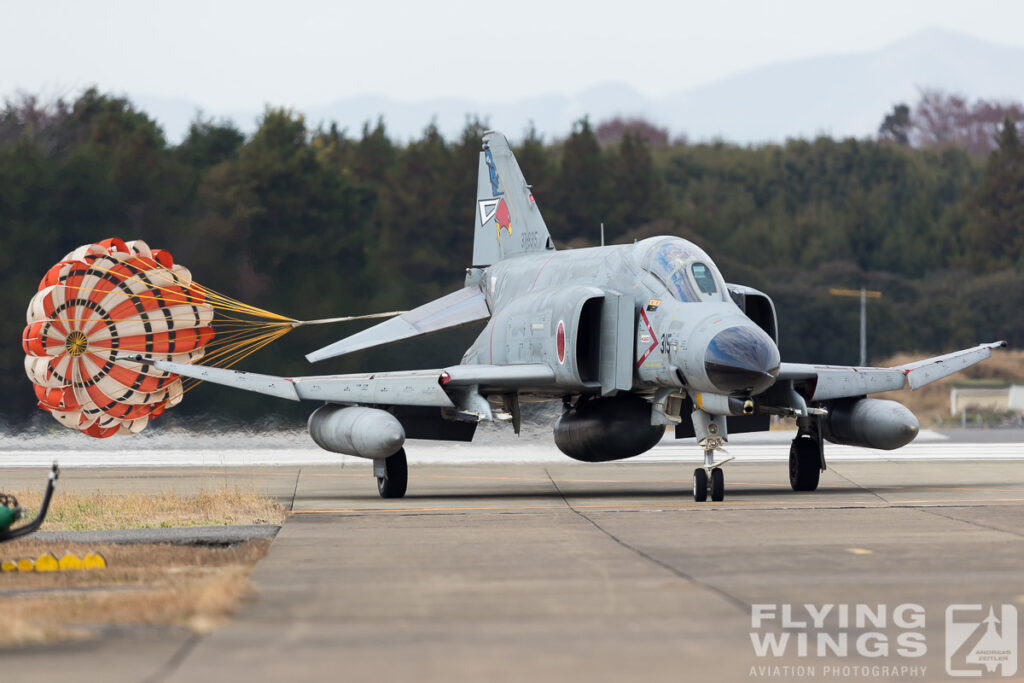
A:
(496, 209)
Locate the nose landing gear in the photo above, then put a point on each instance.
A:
(710, 477)
(711, 433)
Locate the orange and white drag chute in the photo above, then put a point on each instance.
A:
(99, 305)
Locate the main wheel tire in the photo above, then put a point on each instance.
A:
(717, 484)
(700, 485)
(804, 464)
(396, 478)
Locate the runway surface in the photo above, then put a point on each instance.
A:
(567, 571)
(290, 448)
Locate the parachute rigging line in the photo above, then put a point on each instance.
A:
(246, 332)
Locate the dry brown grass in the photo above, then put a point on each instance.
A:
(90, 511)
(931, 402)
(194, 587)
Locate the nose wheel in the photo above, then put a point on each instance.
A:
(704, 484)
(700, 485)
(709, 479)
(717, 484)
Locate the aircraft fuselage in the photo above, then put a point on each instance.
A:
(680, 328)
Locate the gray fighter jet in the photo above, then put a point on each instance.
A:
(631, 338)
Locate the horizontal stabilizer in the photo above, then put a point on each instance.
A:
(456, 309)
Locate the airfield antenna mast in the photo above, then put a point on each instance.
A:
(864, 295)
(863, 328)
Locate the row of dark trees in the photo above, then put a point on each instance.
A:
(322, 222)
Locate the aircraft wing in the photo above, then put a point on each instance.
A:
(453, 310)
(402, 388)
(833, 381)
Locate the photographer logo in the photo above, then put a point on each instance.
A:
(981, 640)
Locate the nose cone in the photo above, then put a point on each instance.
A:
(742, 360)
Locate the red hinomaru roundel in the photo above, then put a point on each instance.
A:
(99, 304)
(560, 341)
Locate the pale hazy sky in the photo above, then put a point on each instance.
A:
(235, 55)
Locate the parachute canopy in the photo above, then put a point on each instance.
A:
(105, 305)
(99, 304)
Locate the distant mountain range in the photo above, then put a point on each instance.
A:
(838, 95)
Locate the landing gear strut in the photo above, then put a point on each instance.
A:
(711, 433)
(392, 475)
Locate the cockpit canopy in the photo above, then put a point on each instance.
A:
(683, 267)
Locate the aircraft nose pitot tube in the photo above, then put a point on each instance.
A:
(742, 359)
(365, 432)
(872, 423)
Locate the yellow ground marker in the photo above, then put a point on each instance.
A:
(70, 562)
(94, 561)
(859, 551)
(47, 562)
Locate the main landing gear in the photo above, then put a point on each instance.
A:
(806, 454)
(804, 463)
(392, 475)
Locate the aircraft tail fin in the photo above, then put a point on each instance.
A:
(508, 222)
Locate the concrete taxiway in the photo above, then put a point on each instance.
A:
(566, 571)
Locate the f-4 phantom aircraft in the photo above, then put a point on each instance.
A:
(631, 338)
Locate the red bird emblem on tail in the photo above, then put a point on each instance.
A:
(502, 219)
